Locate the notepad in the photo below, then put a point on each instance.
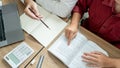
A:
(71, 55)
(39, 31)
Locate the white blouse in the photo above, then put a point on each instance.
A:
(61, 8)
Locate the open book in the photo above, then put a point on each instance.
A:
(71, 55)
(39, 31)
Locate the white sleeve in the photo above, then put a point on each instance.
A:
(61, 8)
(22, 1)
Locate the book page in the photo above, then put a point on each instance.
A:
(88, 47)
(45, 35)
(64, 52)
(29, 24)
(39, 31)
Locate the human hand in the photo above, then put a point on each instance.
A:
(70, 32)
(32, 10)
(97, 59)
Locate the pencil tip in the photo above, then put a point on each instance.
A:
(49, 28)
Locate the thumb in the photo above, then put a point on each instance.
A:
(35, 10)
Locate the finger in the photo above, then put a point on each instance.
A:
(67, 32)
(35, 10)
(88, 61)
(71, 36)
(90, 58)
(92, 65)
(98, 53)
(30, 13)
(91, 54)
(74, 35)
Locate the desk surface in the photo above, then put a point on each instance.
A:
(28, 39)
(51, 61)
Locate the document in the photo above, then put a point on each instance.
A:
(71, 55)
(39, 31)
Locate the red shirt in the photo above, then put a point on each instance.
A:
(103, 20)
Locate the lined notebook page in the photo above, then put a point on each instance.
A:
(29, 24)
(44, 35)
(39, 31)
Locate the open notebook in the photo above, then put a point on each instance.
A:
(71, 55)
(39, 31)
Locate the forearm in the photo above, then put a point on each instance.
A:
(116, 63)
(75, 19)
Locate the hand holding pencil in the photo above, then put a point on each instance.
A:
(32, 11)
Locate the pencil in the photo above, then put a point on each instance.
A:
(39, 64)
(44, 24)
(41, 20)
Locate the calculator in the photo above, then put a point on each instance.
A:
(18, 55)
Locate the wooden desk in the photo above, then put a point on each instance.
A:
(28, 39)
(51, 61)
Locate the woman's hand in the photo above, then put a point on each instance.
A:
(31, 9)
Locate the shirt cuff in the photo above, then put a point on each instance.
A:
(22, 1)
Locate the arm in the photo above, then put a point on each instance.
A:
(98, 59)
(78, 11)
(61, 8)
(72, 29)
